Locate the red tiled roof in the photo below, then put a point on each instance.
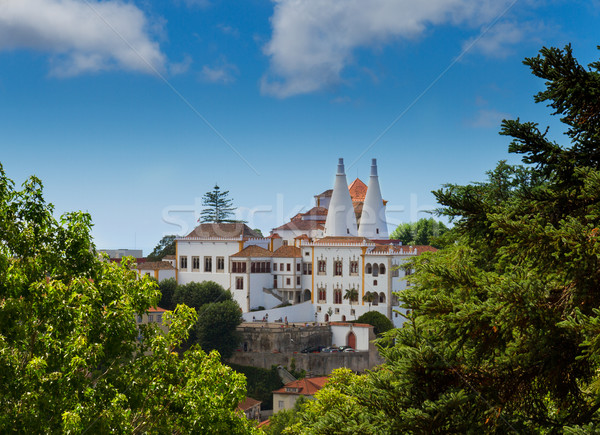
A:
(225, 230)
(302, 237)
(275, 236)
(301, 225)
(358, 190)
(156, 310)
(253, 251)
(297, 217)
(305, 387)
(248, 403)
(316, 211)
(155, 265)
(169, 257)
(288, 252)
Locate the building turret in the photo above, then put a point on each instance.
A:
(372, 221)
(341, 220)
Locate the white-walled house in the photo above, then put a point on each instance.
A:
(329, 258)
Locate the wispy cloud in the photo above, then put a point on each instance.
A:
(222, 72)
(182, 67)
(81, 37)
(312, 42)
(487, 118)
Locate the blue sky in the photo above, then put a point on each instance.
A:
(133, 110)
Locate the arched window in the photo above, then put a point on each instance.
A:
(382, 298)
(337, 296)
(368, 269)
(381, 269)
(375, 270)
(327, 317)
(307, 295)
(343, 318)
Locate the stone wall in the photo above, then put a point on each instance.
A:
(267, 344)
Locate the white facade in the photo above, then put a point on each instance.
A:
(330, 276)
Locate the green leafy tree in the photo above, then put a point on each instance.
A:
(369, 297)
(216, 328)
(167, 289)
(218, 207)
(166, 246)
(503, 335)
(218, 316)
(379, 321)
(70, 357)
(351, 295)
(423, 232)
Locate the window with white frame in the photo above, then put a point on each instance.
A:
(208, 264)
(220, 264)
(195, 264)
(183, 262)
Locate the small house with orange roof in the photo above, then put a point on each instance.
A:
(286, 397)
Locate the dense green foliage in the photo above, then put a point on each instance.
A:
(423, 232)
(379, 321)
(218, 316)
(167, 289)
(166, 246)
(218, 207)
(260, 383)
(70, 357)
(503, 335)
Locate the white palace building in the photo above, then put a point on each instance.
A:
(317, 267)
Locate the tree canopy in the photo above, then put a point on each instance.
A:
(218, 206)
(423, 232)
(72, 357)
(503, 335)
(218, 316)
(166, 246)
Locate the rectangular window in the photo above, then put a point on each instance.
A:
(285, 243)
(195, 264)
(208, 264)
(139, 319)
(354, 267)
(289, 267)
(322, 267)
(220, 264)
(274, 281)
(183, 263)
(337, 268)
(281, 404)
(239, 283)
(288, 281)
(274, 267)
(297, 267)
(238, 267)
(298, 281)
(150, 318)
(159, 318)
(307, 269)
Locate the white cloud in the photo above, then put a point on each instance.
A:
(498, 41)
(486, 118)
(223, 72)
(314, 40)
(181, 67)
(82, 37)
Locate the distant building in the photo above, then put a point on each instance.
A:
(286, 397)
(158, 270)
(120, 253)
(251, 408)
(154, 315)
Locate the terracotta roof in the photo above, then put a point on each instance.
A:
(316, 211)
(169, 257)
(156, 310)
(253, 251)
(349, 239)
(302, 225)
(288, 252)
(297, 217)
(248, 403)
(354, 325)
(275, 236)
(305, 387)
(358, 190)
(302, 237)
(225, 230)
(155, 265)
(327, 193)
